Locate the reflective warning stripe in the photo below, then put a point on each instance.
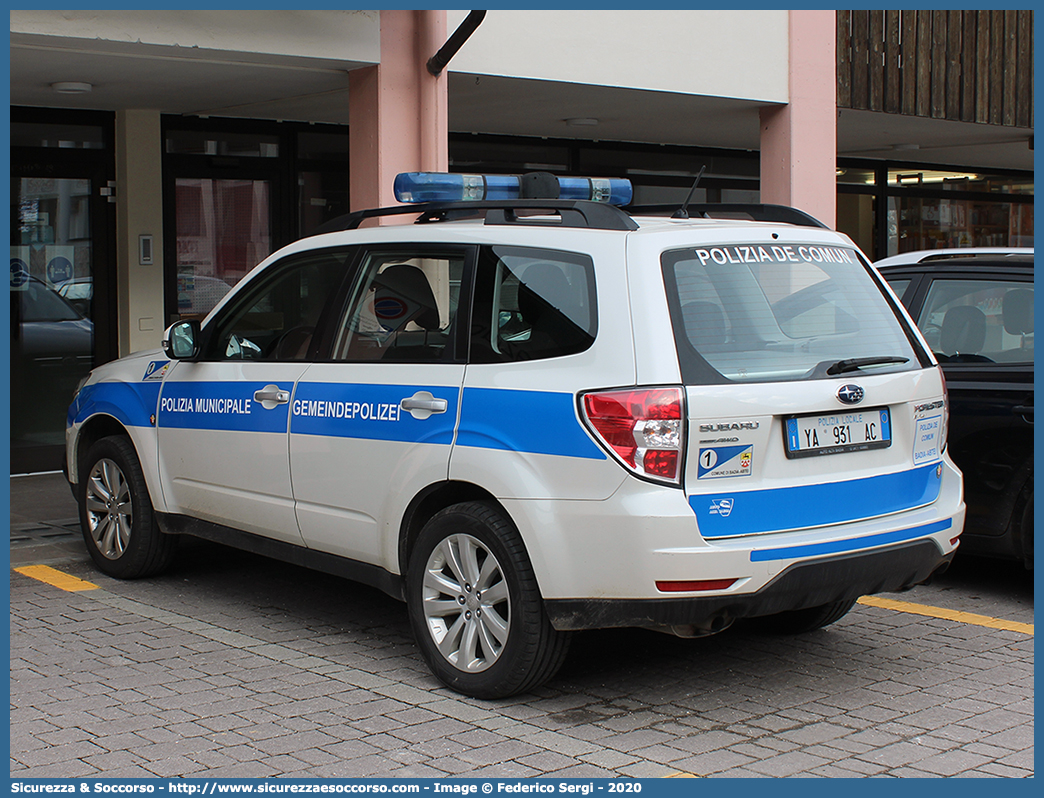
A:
(55, 578)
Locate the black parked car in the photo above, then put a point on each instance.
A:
(975, 308)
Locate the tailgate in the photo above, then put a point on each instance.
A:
(777, 457)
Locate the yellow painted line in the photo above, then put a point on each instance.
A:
(948, 615)
(55, 578)
(681, 776)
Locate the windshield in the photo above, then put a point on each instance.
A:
(761, 313)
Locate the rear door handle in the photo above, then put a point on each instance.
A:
(422, 404)
(1024, 410)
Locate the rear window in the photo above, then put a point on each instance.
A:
(765, 313)
(532, 304)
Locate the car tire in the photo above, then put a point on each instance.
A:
(795, 622)
(475, 607)
(116, 516)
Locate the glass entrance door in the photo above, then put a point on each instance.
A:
(52, 331)
(60, 323)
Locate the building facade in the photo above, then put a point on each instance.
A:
(157, 156)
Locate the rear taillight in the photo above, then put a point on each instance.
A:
(945, 410)
(644, 428)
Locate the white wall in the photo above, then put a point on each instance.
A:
(139, 211)
(328, 34)
(739, 54)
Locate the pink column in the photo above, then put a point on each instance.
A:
(799, 140)
(397, 112)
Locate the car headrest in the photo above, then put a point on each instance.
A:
(963, 330)
(403, 295)
(1017, 311)
(704, 323)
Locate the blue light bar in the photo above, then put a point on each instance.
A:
(444, 187)
(615, 191)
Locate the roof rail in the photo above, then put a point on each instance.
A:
(756, 212)
(571, 213)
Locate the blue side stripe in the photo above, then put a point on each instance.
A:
(537, 422)
(132, 404)
(225, 406)
(371, 412)
(854, 544)
(804, 506)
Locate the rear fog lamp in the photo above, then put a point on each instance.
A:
(694, 586)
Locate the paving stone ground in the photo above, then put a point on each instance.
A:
(232, 665)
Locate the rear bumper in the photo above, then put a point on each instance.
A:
(807, 584)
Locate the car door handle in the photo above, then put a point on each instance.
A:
(271, 395)
(422, 404)
(1024, 410)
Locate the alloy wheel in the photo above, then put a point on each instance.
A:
(109, 508)
(467, 609)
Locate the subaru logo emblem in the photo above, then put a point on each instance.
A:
(850, 394)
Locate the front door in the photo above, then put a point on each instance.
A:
(223, 420)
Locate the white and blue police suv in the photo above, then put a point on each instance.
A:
(526, 416)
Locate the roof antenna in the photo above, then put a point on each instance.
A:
(682, 212)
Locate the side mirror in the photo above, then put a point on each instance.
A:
(181, 340)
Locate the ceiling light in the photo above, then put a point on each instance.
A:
(582, 122)
(71, 87)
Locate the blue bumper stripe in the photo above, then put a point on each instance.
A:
(805, 506)
(853, 544)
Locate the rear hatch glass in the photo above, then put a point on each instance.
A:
(770, 313)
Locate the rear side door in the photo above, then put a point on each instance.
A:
(373, 425)
(545, 328)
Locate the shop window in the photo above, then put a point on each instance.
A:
(223, 231)
(58, 135)
(857, 219)
(226, 144)
(916, 223)
(470, 154)
(323, 146)
(848, 175)
(926, 178)
(322, 196)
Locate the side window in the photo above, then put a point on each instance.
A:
(403, 307)
(276, 317)
(899, 285)
(532, 304)
(979, 321)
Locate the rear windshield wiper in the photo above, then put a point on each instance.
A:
(829, 368)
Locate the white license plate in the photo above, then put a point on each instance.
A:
(835, 433)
